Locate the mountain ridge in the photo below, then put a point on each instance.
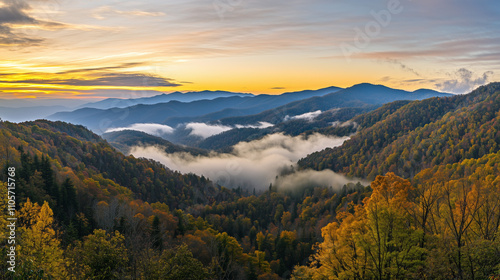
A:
(384, 146)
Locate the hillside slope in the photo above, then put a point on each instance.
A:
(75, 193)
(420, 135)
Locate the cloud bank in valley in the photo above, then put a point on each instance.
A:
(254, 164)
(304, 178)
(306, 116)
(261, 125)
(197, 129)
(149, 128)
(206, 130)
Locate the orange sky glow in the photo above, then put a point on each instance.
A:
(130, 49)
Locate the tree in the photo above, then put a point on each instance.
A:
(375, 242)
(180, 264)
(39, 247)
(391, 242)
(227, 256)
(157, 240)
(100, 256)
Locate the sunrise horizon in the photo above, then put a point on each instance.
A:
(110, 50)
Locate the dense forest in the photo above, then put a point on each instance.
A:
(442, 220)
(432, 211)
(418, 135)
(75, 193)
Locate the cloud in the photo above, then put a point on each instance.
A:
(306, 116)
(404, 67)
(206, 130)
(252, 164)
(324, 178)
(278, 88)
(260, 126)
(149, 128)
(105, 79)
(13, 15)
(87, 70)
(464, 81)
(104, 11)
(349, 123)
(13, 12)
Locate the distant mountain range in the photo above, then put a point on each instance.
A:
(176, 112)
(356, 96)
(22, 114)
(25, 109)
(291, 113)
(163, 98)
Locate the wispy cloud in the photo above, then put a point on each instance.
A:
(261, 125)
(106, 11)
(306, 116)
(206, 130)
(88, 70)
(306, 178)
(104, 79)
(149, 128)
(460, 81)
(404, 67)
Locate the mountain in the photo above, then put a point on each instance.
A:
(100, 120)
(76, 150)
(320, 124)
(162, 98)
(29, 113)
(34, 102)
(173, 112)
(19, 110)
(356, 96)
(418, 135)
(430, 212)
(435, 166)
(126, 139)
(292, 118)
(268, 101)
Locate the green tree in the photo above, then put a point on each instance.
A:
(180, 264)
(99, 256)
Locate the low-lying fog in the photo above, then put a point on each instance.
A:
(255, 164)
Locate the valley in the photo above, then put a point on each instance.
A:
(267, 197)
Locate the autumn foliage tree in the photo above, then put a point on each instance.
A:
(377, 241)
(40, 252)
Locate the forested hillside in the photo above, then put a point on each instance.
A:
(76, 193)
(419, 135)
(432, 211)
(435, 214)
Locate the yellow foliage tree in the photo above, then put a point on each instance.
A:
(375, 242)
(40, 250)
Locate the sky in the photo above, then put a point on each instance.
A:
(130, 49)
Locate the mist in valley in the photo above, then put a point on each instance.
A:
(256, 164)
